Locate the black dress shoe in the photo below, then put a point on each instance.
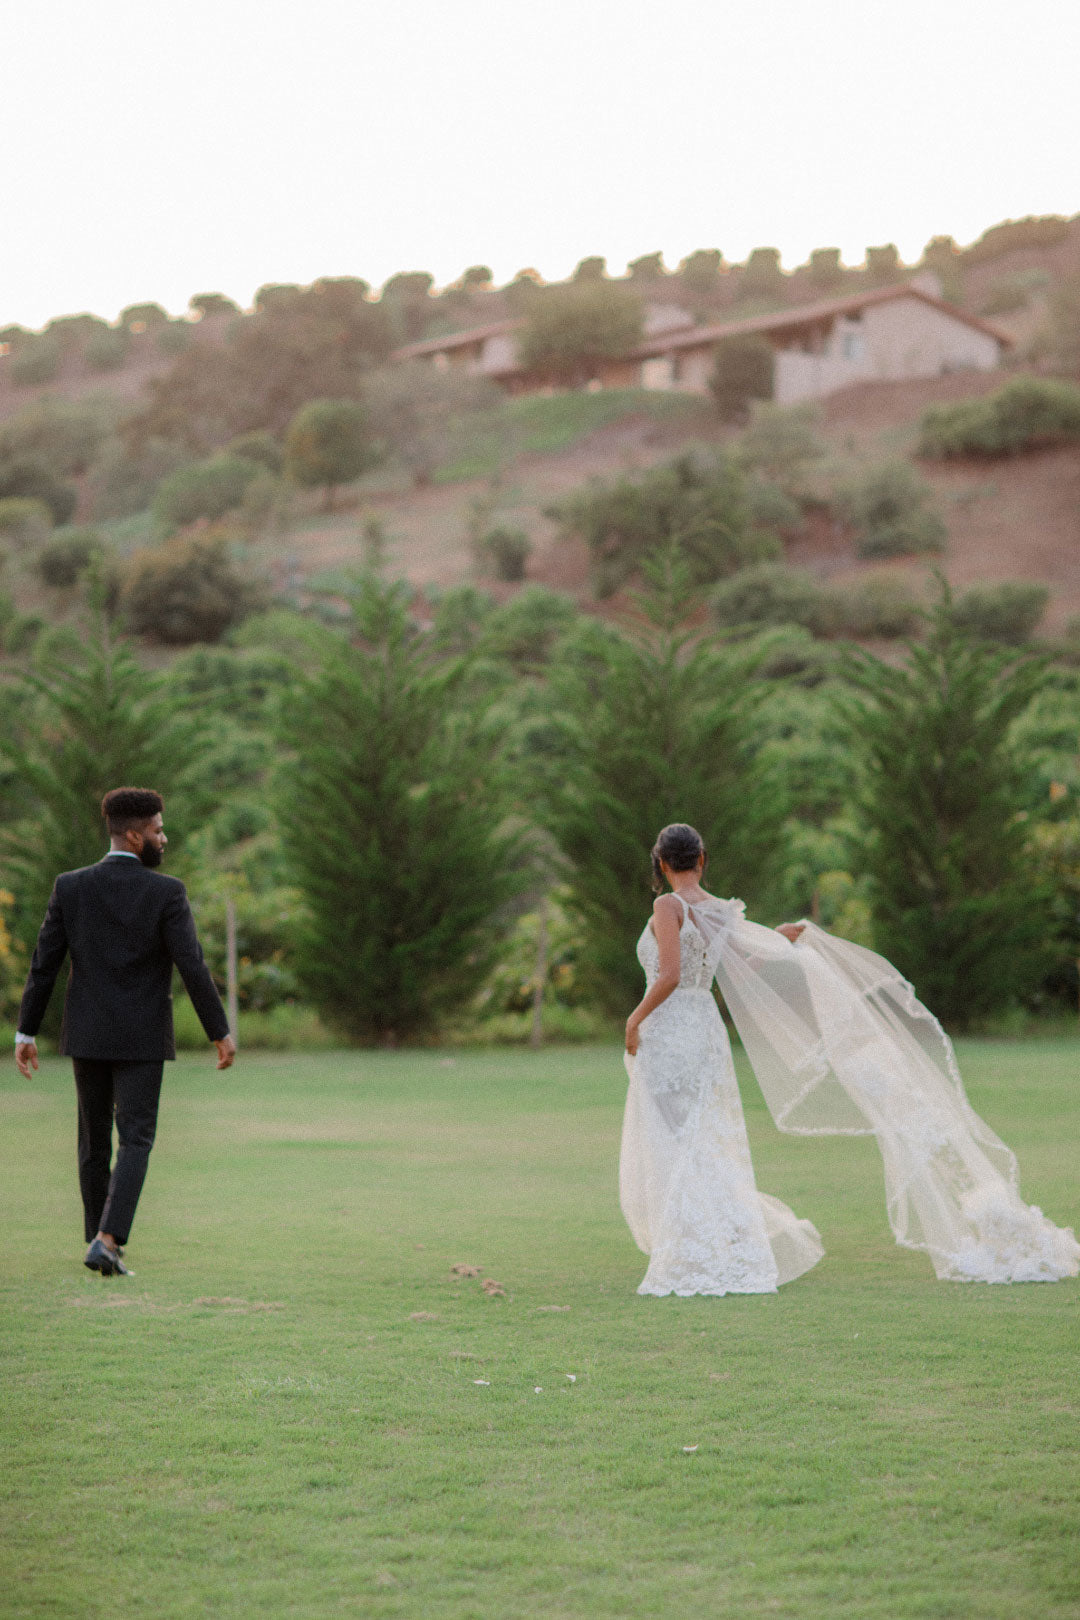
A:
(99, 1257)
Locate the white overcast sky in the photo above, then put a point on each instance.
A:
(152, 149)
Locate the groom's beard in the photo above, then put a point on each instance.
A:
(150, 855)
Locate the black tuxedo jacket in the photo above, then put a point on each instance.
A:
(125, 927)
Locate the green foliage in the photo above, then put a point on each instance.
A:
(173, 338)
(524, 632)
(1012, 235)
(109, 349)
(653, 727)
(123, 479)
(35, 360)
(1064, 324)
(761, 276)
(878, 607)
(1028, 413)
(141, 317)
(184, 591)
(34, 481)
(648, 267)
(699, 272)
(73, 332)
(329, 442)
(890, 509)
(782, 443)
(262, 448)
(572, 330)
(511, 985)
(266, 921)
(68, 554)
(1013, 292)
(207, 489)
(883, 264)
(742, 373)
(95, 721)
(209, 305)
(393, 811)
(698, 503)
(505, 551)
(942, 841)
(592, 268)
(24, 522)
(1008, 612)
(826, 271)
(415, 410)
(771, 593)
(61, 435)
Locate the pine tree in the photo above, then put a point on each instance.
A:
(954, 897)
(657, 727)
(94, 721)
(393, 808)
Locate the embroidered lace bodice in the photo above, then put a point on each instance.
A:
(695, 972)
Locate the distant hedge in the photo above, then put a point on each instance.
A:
(208, 489)
(1029, 413)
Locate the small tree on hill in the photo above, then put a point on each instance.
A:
(762, 277)
(393, 809)
(329, 442)
(826, 271)
(185, 591)
(656, 726)
(571, 330)
(207, 305)
(883, 264)
(95, 721)
(953, 894)
(699, 272)
(742, 372)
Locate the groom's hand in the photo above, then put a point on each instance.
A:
(26, 1058)
(226, 1052)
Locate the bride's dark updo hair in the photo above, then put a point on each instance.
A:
(679, 847)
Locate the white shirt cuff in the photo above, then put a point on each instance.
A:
(23, 1040)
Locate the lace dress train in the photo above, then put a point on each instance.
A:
(686, 1179)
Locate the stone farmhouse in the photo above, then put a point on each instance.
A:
(884, 335)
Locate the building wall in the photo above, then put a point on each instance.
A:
(809, 376)
(908, 338)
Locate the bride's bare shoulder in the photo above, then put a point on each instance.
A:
(666, 906)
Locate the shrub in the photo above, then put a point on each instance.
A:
(31, 478)
(24, 521)
(36, 360)
(207, 305)
(889, 509)
(880, 606)
(699, 272)
(883, 263)
(762, 276)
(1029, 413)
(329, 442)
(1013, 292)
(173, 338)
(184, 591)
(208, 489)
(571, 330)
(261, 448)
(771, 593)
(108, 350)
(123, 481)
(1008, 612)
(138, 317)
(505, 551)
(60, 435)
(1033, 231)
(781, 442)
(742, 372)
(826, 271)
(67, 556)
(701, 504)
(524, 631)
(771, 510)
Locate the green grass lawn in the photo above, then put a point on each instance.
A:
(281, 1414)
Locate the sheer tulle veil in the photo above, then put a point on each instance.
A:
(840, 1044)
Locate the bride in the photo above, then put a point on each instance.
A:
(840, 1045)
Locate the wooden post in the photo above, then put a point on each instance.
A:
(540, 979)
(231, 995)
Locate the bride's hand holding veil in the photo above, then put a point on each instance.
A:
(791, 931)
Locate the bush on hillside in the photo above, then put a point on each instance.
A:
(184, 591)
(123, 480)
(30, 478)
(329, 442)
(761, 277)
(524, 631)
(1029, 413)
(1008, 613)
(67, 555)
(172, 338)
(108, 350)
(889, 507)
(699, 272)
(24, 521)
(1013, 292)
(207, 305)
(141, 317)
(883, 264)
(1012, 235)
(826, 271)
(781, 443)
(771, 593)
(1063, 326)
(572, 330)
(504, 552)
(415, 410)
(261, 448)
(698, 503)
(208, 489)
(771, 510)
(880, 607)
(61, 435)
(742, 373)
(36, 360)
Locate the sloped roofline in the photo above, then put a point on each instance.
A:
(810, 315)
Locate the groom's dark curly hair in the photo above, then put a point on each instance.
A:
(126, 807)
(678, 846)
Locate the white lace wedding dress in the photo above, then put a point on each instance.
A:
(841, 1045)
(686, 1179)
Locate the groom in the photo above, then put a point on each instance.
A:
(125, 926)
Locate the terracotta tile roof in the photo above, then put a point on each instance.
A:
(809, 315)
(455, 340)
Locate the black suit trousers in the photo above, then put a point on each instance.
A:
(131, 1091)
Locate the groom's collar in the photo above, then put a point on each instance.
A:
(124, 854)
